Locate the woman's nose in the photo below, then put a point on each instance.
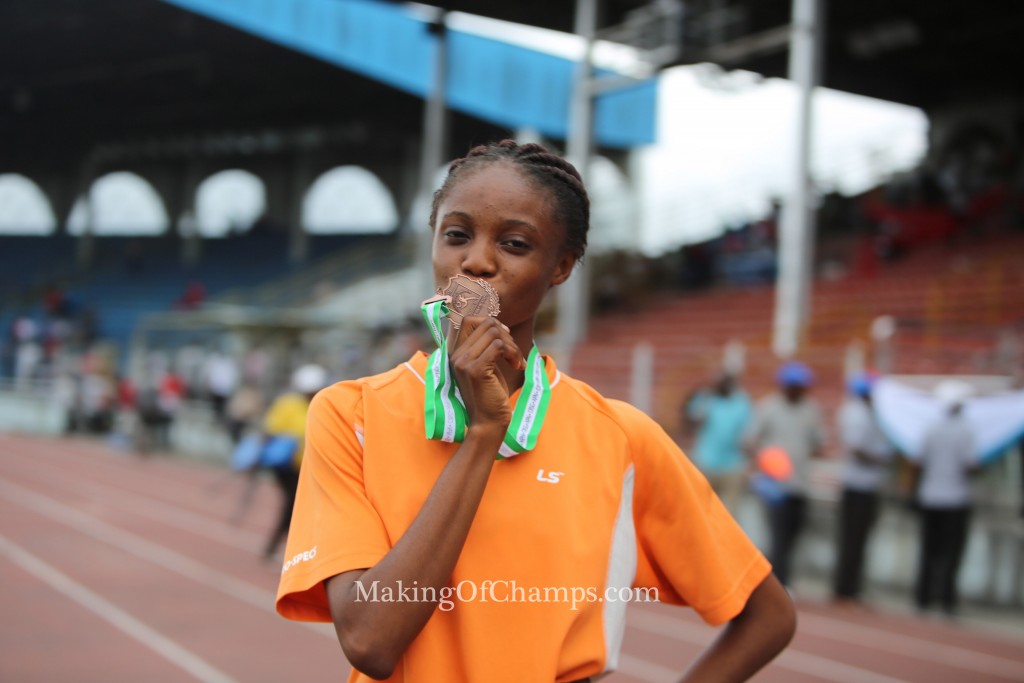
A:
(478, 260)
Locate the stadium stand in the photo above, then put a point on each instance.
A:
(951, 302)
(133, 277)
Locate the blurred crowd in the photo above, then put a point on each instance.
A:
(33, 345)
(768, 447)
(973, 187)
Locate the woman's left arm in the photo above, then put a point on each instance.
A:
(751, 640)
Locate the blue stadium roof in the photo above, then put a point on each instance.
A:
(502, 83)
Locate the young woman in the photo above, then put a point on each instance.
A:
(437, 560)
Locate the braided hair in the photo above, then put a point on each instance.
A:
(545, 168)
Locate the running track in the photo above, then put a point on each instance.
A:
(120, 568)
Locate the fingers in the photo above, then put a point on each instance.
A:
(485, 339)
(481, 345)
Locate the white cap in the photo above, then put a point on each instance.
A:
(309, 379)
(953, 392)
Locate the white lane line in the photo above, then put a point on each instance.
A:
(915, 648)
(156, 477)
(236, 588)
(131, 471)
(200, 524)
(199, 668)
(791, 659)
(144, 549)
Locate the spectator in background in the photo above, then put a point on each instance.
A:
(7, 347)
(125, 431)
(98, 399)
(287, 418)
(866, 455)
(27, 352)
(66, 395)
(721, 414)
(945, 463)
(221, 382)
(789, 422)
(159, 399)
(193, 296)
(243, 410)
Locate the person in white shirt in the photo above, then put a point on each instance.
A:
(947, 459)
(866, 455)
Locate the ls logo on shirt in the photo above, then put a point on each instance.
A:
(550, 477)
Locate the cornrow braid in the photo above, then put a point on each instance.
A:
(549, 170)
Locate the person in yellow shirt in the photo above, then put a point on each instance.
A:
(478, 515)
(284, 428)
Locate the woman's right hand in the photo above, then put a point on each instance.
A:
(481, 346)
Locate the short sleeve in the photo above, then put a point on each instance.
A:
(334, 527)
(690, 547)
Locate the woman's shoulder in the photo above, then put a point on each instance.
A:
(350, 392)
(625, 414)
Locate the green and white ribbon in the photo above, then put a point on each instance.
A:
(445, 413)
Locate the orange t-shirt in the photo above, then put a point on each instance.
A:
(605, 501)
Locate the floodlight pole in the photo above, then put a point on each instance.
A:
(796, 236)
(573, 294)
(435, 142)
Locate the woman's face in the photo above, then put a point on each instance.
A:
(498, 225)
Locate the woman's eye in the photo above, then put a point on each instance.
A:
(517, 244)
(453, 234)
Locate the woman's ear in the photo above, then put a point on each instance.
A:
(563, 269)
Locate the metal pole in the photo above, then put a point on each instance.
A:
(641, 385)
(191, 240)
(298, 238)
(435, 142)
(796, 237)
(573, 294)
(86, 243)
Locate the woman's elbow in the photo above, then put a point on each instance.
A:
(772, 606)
(374, 667)
(365, 652)
(362, 638)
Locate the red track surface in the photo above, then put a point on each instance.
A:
(121, 568)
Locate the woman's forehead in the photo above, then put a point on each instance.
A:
(495, 184)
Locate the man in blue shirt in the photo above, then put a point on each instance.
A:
(721, 413)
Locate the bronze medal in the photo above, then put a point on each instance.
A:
(466, 297)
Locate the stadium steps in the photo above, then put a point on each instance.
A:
(950, 305)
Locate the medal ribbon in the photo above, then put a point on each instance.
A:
(445, 413)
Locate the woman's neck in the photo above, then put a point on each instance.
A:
(523, 337)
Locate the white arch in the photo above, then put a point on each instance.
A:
(24, 208)
(348, 199)
(614, 223)
(229, 201)
(123, 203)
